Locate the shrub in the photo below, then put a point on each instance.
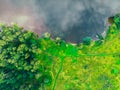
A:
(87, 41)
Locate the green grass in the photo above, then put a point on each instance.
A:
(87, 67)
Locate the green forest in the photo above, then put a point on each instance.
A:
(30, 62)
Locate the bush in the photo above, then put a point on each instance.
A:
(87, 41)
(20, 69)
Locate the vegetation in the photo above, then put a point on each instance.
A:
(19, 67)
(87, 40)
(28, 62)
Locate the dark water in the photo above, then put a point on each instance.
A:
(71, 20)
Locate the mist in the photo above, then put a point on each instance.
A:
(72, 20)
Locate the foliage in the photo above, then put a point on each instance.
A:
(87, 40)
(95, 65)
(20, 68)
(31, 63)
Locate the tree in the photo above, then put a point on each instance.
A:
(20, 69)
